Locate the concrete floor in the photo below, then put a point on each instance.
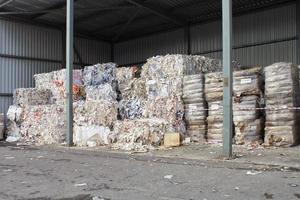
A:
(62, 173)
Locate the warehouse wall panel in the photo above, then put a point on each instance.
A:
(20, 40)
(140, 49)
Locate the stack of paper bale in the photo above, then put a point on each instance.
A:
(1, 126)
(214, 96)
(55, 82)
(33, 120)
(132, 93)
(247, 115)
(195, 106)
(282, 96)
(164, 82)
(94, 117)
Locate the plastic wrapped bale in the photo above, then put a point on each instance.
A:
(55, 81)
(248, 120)
(213, 90)
(213, 86)
(1, 126)
(139, 134)
(43, 124)
(282, 95)
(248, 82)
(31, 96)
(99, 113)
(247, 116)
(215, 122)
(195, 106)
(91, 135)
(102, 92)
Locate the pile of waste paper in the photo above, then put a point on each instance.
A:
(282, 97)
(247, 101)
(2, 126)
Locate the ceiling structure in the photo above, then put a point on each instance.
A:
(119, 20)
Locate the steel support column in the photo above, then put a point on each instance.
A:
(227, 77)
(69, 65)
(298, 30)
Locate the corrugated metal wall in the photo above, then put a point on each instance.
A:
(250, 31)
(140, 49)
(21, 42)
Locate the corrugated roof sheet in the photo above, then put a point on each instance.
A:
(107, 23)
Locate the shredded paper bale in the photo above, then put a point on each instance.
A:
(55, 82)
(247, 116)
(138, 134)
(282, 95)
(194, 106)
(31, 96)
(1, 126)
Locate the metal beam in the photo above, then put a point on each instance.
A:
(5, 3)
(69, 76)
(298, 30)
(97, 13)
(187, 39)
(125, 26)
(157, 11)
(227, 77)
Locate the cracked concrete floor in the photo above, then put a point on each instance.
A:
(60, 173)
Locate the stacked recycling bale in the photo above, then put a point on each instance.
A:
(194, 106)
(282, 95)
(214, 95)
(95, 117)
(132, 92)
(247, 115)
(1, 126)
(33, 120)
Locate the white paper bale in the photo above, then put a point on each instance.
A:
(90, 135)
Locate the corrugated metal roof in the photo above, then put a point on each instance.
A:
(106, 18)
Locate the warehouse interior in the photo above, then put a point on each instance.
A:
(128, 32)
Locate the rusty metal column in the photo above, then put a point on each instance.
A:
(227, 77)
(69, 66)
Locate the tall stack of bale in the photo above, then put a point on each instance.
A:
(94, 118)
(194, 106)
(1, 126)
(282, 96)
(247, 101)
(214, 97)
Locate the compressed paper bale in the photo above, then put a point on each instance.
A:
(55, 82)
(138, 134)
(136, 88)
(132, 108)
(170, 109)
(213, 87)
(207, 65)
(100, 74)
(164, 87)
(282, 94)
(194, 106)
(89, 134)
(1, 126)
(43, 124)
(31, 96)
(101, 92)
(248, 82)
(124, 75)
(100, 113)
